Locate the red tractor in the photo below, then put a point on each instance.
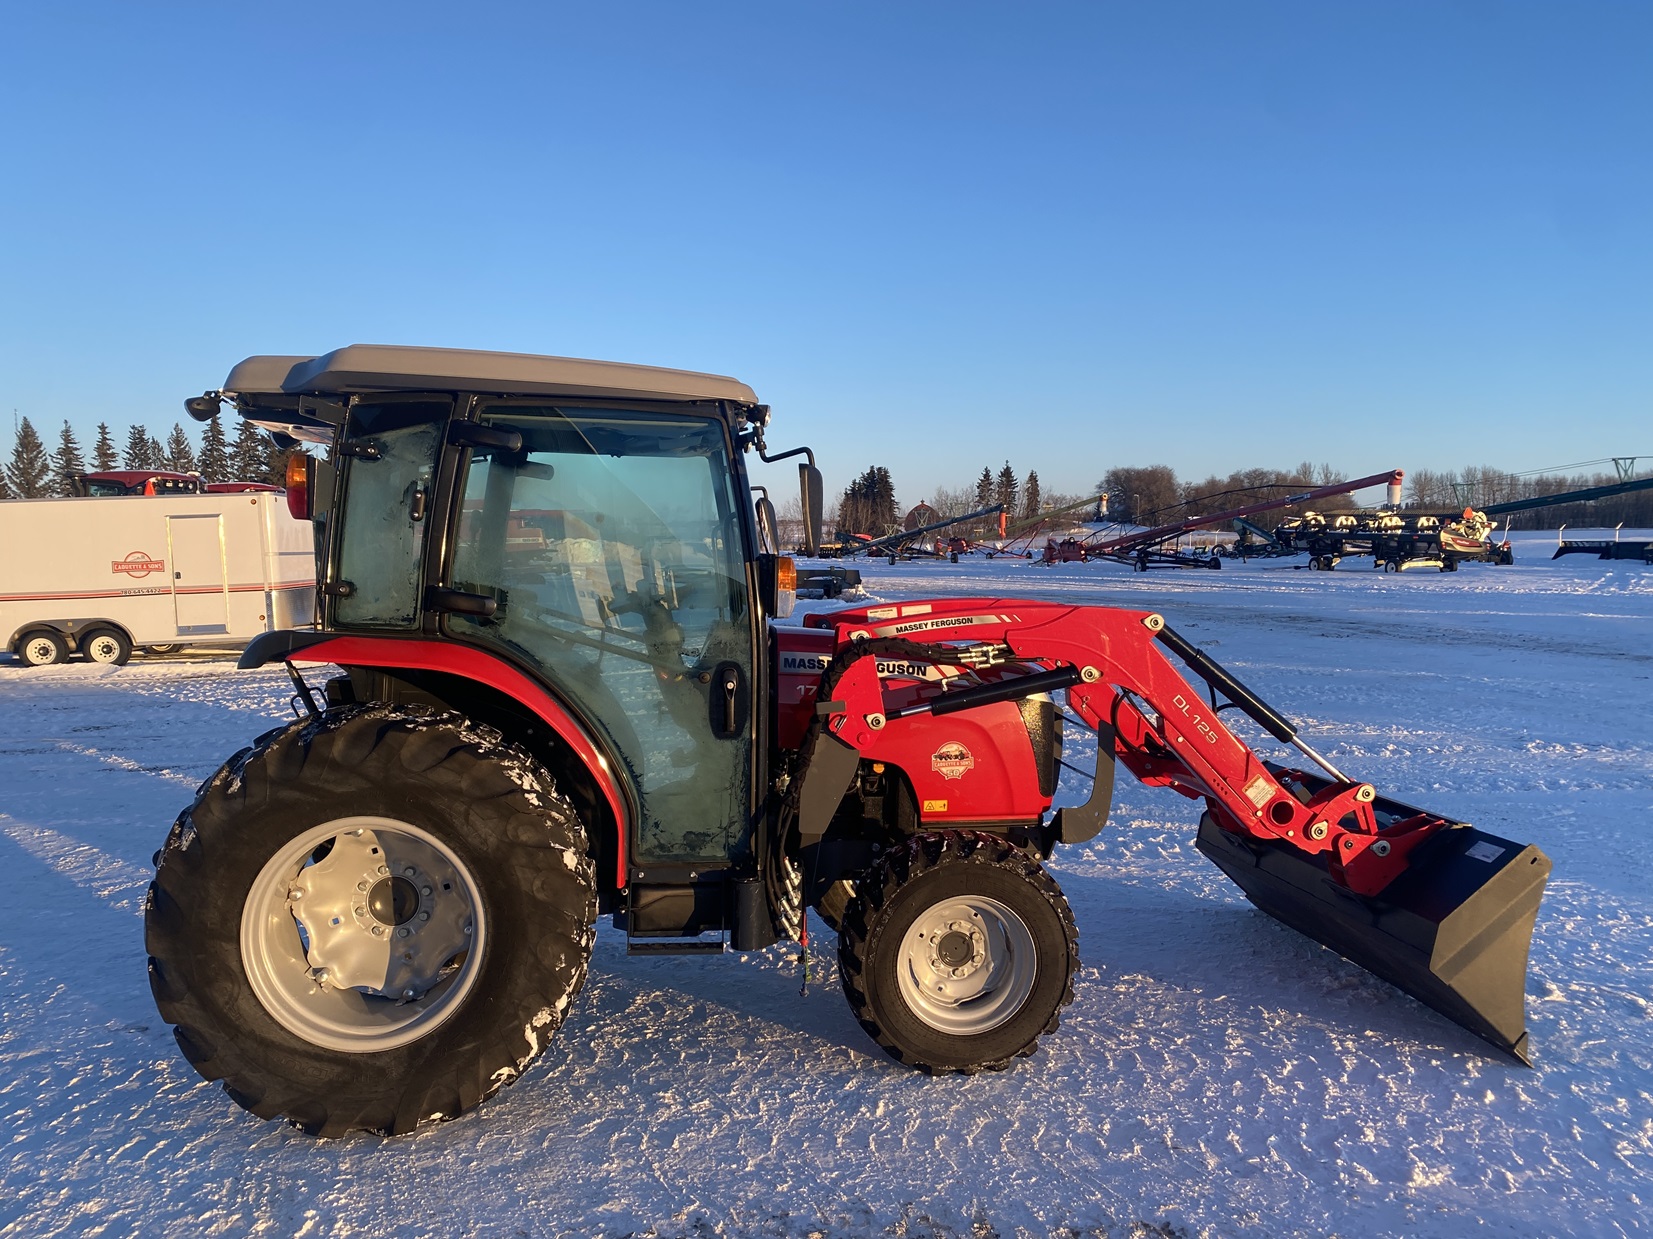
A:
(564, 694)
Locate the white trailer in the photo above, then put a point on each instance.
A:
(100, 577)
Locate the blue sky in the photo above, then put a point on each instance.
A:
(932, 236)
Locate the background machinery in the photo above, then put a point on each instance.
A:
(1145, 548)
(909, 542)
(1396, 539)
(377, 915)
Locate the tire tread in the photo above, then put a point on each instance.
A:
(530, 828)
(919, 855)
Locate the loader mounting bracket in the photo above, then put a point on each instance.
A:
(1083, 822)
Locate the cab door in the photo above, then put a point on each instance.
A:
(613, 547)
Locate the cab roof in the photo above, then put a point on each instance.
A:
(359, 368)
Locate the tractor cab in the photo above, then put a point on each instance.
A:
(589, 524)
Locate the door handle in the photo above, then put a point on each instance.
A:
(728, 701)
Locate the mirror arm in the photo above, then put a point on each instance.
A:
(797, 451)
(809, 488)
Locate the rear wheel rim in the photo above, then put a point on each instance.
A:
(103, 649)
(967, 965)
(39, 652)
(363, 934)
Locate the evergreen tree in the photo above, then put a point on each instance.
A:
(1004, 490)
(984, 488)
(250, 454)
(180, 452)
(1030, 495)
(215, 453)
(28, 474)
(154, 454)
(66, 462)
(103, 451)
(869, 506)
(137, 449)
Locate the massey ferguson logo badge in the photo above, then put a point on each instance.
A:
(952, 760)
(138, 564)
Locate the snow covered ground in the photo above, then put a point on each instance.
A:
(1216, 1075)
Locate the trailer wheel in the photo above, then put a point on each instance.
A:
(957, 953)
(370, 920)
(162, 649)
(1391, 565)
(42, 648)
(106, 645)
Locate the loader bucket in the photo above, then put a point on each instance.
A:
(1453, 930)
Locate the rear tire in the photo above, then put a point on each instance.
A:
(404, 998)
(958, 953)
(43, 648)
(106, 645)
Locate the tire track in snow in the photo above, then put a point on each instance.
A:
(117, 882)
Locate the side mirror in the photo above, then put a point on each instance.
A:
(768, 533)
(812, 490)
(203, 408)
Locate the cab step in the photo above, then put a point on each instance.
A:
(679, 946)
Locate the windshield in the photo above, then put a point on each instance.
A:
(612, 545)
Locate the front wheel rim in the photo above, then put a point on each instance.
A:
(39, 652)
(363, 934)
(967, 965)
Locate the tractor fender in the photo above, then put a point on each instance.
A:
(464, 662)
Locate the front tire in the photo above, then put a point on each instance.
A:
(958, 953)
(303, 965)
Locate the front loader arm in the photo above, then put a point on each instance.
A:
(1120, 681)
(1436, 907)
